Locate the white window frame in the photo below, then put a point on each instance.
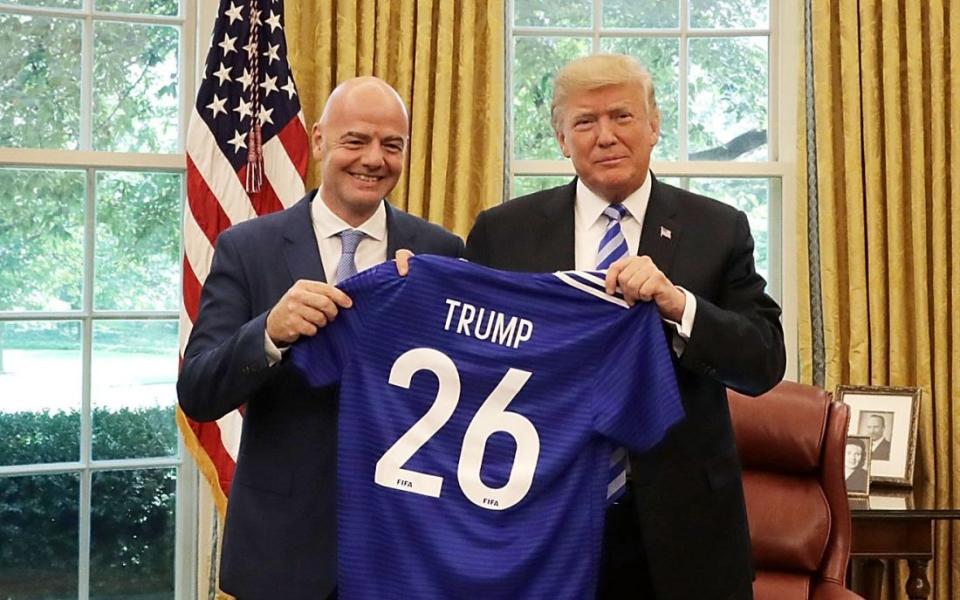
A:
(785, 60)
(90, 162)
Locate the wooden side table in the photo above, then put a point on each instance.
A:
(895, 527)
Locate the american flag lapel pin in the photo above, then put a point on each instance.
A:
(665, 233)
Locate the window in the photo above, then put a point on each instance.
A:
(724, 72)
(94, 491)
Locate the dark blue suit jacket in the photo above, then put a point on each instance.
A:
(280, 537)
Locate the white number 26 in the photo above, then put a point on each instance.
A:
(491, 417)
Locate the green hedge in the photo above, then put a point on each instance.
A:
(132, 512)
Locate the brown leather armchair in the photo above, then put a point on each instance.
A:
(791, 443)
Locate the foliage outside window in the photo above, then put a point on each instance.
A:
(89, 293)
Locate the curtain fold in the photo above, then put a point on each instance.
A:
(446, 59)
(886, 77)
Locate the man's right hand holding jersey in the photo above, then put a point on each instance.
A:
(305, 308)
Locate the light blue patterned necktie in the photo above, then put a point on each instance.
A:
(613, 246)
(349, 240)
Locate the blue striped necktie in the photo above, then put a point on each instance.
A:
(349, 240)
(613, 246)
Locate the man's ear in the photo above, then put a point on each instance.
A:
(655, 128)
(561, 139)
(316, 141)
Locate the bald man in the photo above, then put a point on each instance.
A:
(273, 280)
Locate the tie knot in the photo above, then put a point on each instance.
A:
(615, 212)
(350, 239)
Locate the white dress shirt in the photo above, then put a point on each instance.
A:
(590, 224)
(371, 251)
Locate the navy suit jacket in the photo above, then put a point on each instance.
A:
(280, 537)
(687, 491)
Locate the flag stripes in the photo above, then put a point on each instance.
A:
(219, 135)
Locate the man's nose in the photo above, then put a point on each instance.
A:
(373, 155)
(605, 134)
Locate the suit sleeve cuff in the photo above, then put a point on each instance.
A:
(274, 354)
(685, 327)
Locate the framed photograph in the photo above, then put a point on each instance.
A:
(888, 416)
(856, 463)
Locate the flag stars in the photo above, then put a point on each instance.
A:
(266, 116)
(273, 21)
(269, 84)
(237, 142)
(246, 80)
(289, 88)
(223, 74)
(228, 44)
(217, 106)
(251, 48)
(271, 53)
(244, 108)
(234, 12)
(255, 17)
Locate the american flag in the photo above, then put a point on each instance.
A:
(247, 152)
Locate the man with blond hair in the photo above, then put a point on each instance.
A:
(676, 528)
(273, 280)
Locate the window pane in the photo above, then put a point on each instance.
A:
(48, 3)
(138, 241)
(661, 56)
(135, 87)
(528, 184)
(649, 14)
(133, 389)
(132, 534)
(41, 239)
(39, 82)
(728, 99)
(142, 7)
(39, 533)
(40, 392)
(729, 14)
(552, 13)
(536, 62)
(752, 196)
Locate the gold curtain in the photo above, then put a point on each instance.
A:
(887, 105)
(446, 59)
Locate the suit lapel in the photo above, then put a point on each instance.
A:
(661, 231)
(553, 234)
(398, 236)
(301, 250)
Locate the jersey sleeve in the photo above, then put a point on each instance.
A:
(635, 397)
(323, 357)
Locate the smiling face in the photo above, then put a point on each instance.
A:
(360, 141)
(609, 135)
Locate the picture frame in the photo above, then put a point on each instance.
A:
(888, 500)
(857, 465)
(888, 416)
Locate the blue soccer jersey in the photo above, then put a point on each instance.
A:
(478, 413)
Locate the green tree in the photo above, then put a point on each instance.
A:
(135, 109)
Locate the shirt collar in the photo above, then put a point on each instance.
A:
(326, 224)
(590, 206)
